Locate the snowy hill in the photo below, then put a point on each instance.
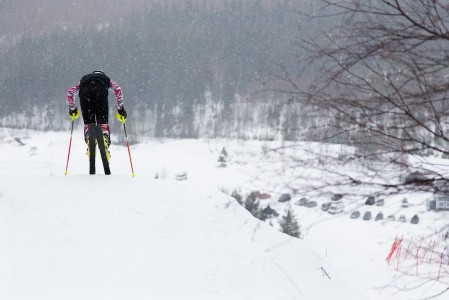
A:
(118, 237)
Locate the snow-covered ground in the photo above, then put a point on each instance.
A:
(118, 237)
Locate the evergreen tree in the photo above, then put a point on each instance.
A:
(289, 224)
(268, 212)
(252, 205)
(223, 155)
(236, 195)
(223, 158)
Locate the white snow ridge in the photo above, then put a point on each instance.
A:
(118, 237)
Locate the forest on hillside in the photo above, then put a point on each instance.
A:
(300, 70)
(187, 70)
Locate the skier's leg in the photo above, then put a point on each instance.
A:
(102, 119)
(102, 107)
(106, 134)
(86, 133)
(102, 115)
(87, 104)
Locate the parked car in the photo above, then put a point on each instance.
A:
(285, 198)
(402, 219)
(302, 202)
(391, 218)
(380, 202)
(379, 216)
(370, 200)
(446, 235)
(367, 216)
(355, 214)
(355, 182)
(311, 204)
(262, 196)
(336, 197)
(336, 208)
(415, 219)
(404, 203)
(431, 204)
(181, 176)
(417, 178)
(325, 206)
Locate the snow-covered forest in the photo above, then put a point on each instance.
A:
(188, 70)
(267, 70)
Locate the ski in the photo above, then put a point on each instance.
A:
(92, 148)
(102, 147)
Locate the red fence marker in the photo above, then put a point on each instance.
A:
(419, 248)
(425, 252)
(431, 254)
(406, 252)
(441, 259)
(398, 257)
(394, 247)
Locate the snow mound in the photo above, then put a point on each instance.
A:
(118, 237)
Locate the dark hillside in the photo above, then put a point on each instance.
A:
(185, 69)
(19, 17)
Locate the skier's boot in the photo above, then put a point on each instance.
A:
(107, 143)
(86, 139)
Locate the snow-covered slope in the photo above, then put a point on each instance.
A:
(118, 237)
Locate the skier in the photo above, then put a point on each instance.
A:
(93, 93)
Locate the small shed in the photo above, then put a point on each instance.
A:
(441, 199)
(442, 202)
(438, 203)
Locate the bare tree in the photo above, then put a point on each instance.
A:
(382, 76)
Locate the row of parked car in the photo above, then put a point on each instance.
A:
(336, 206)
(371, 200)
(331, 207)
(380, 216)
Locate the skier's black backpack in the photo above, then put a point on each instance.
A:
(95, 78)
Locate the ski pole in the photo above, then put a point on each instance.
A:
(70, 146)
(129, 152)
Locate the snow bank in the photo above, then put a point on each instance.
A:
(118, 237)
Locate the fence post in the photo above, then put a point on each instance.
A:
(425, 252)
(417, 265)
(406, 253)
(433, 249)
(394, 247)
(441, 259)
(419, 247)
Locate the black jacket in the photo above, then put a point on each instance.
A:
(95, 78)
